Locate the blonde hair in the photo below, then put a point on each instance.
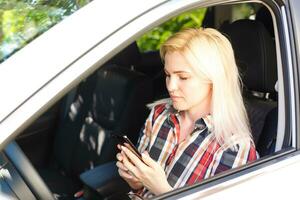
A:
(211, 56)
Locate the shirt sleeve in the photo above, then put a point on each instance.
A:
(229, 158)
(145, 133)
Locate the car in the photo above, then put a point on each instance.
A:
(84, 79)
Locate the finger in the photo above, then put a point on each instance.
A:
(124, 156)
(119, 146)
(128, 176)
(119, 157)
(133, 178)
(130, 166)
(124, 174)
(148, 160)
(121, 166)
(133, 158)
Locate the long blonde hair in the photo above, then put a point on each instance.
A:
(211, 56)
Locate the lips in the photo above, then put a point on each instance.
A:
(173, 97)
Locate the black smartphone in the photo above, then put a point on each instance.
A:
(124, 140)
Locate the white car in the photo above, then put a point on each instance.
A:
(65, 93)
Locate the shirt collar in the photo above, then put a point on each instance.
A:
(208, 121)
(172, 110)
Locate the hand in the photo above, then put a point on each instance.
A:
(132, 181)
(149, 173)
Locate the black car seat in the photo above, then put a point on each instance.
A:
(264, 16)
(111, 101)
(255, 55)
(130, 57)
(117, 107)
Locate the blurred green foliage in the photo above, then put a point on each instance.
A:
(153, 39)
(23, 20)
(243, 11)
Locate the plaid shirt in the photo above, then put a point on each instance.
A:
(197, 157)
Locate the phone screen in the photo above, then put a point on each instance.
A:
(124, 140)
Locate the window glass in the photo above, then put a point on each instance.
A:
(153, 39)
(243, 11)
(23, 20)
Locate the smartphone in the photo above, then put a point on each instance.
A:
(124, 140)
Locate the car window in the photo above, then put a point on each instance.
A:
(152, 40)
(231, 20)
(23, 20)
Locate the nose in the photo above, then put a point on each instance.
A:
(171, 84)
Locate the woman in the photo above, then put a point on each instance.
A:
(202, 129)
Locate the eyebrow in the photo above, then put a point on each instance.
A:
(177, 72)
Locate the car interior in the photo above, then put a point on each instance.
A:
(71, 145)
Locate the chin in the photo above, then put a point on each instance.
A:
(179, 107)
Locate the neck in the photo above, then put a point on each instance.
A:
(198, 111)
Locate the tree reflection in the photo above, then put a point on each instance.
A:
(23, 20)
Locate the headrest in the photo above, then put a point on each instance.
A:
(255, 54)
(264, 16)
(116, 87)
(128, 57)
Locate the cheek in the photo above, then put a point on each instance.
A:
(190, 87)
(196, 91)
(188, 90)
(167, 79)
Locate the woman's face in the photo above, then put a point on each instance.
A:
(187, 91)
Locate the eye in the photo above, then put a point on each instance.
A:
(183, 78)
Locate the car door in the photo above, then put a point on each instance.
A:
(226, 185)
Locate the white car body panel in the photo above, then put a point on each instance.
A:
(271, 182)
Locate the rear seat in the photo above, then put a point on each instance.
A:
(255, 54)
(111, 101)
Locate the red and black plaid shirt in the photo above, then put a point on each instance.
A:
(196, 158)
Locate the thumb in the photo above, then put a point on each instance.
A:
(147, 159)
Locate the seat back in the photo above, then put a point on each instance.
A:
(263, 15)
(255, 55)
(129, 57)
(267, 140)
(112, 100)
(117, 107)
